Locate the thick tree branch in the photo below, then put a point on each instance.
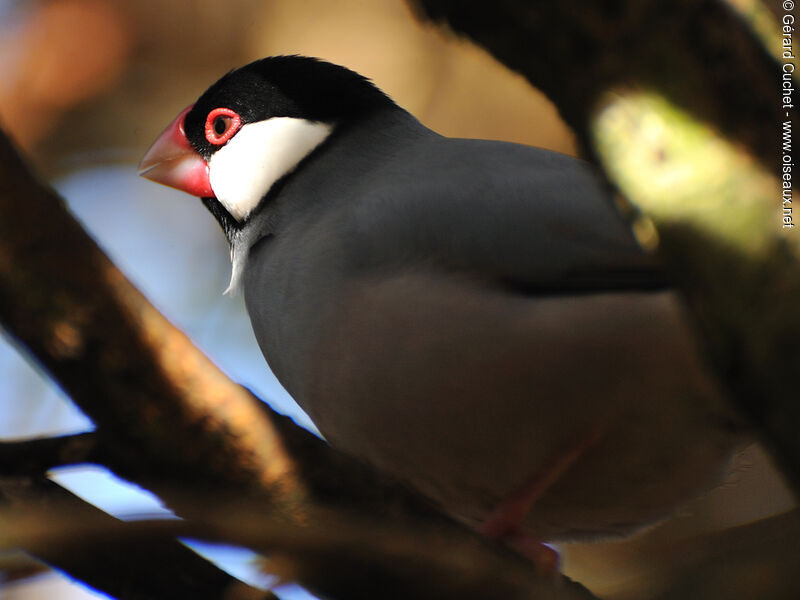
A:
(696, 52)
(168, 419)
(141, 381)
(388, 561)
(127, 569)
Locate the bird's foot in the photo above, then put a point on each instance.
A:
(545, 559)
(505, 522)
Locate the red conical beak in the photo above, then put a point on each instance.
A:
(171, 160)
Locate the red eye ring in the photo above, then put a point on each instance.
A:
(221, 124)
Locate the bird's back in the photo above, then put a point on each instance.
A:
(458, 310)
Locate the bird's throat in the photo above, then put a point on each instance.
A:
(229, 225)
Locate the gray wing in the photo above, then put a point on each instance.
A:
(369, 211)
(529, 218)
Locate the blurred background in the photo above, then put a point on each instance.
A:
(86, 86)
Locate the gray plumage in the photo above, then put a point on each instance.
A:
(457, 311)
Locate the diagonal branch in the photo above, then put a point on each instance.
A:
(697, 52)
(386, 561)
(127, 569)
(153, 397)
(35, 457)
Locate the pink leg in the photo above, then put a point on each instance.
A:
(504, 522)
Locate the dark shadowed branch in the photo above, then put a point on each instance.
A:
(356, 558)
(759, 559)
(35, 457)
(126, 569)
(698, 53)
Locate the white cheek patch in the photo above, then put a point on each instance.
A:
(243, 171)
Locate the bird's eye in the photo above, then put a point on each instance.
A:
(221, 124)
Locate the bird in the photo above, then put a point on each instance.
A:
(474, 317)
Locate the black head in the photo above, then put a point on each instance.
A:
(283, 86)
(254, 127)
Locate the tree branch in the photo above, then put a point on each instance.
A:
(35, 457)
(127, 569)
(141, 381)
(386, 559)
(696, 52)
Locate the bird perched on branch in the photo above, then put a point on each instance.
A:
(474, 317)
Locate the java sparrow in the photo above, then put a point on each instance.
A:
(474, 317)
